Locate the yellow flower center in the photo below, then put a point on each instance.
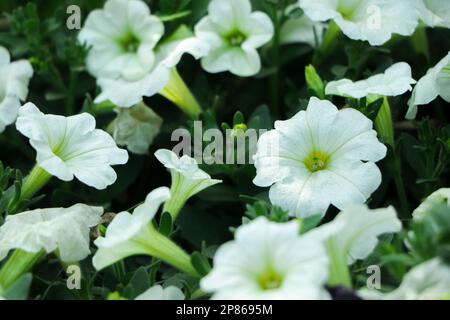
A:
(270, 280)
(316, 161)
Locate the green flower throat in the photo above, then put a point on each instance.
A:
(235, 38)
(129, 42)
(316, 161)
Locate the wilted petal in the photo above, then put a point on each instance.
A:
(395, 81)
(65, 230)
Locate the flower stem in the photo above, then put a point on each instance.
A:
(339, 272)
(19, 263)
(165, 249)
(177, 92)
(37, 179)
(329, 41)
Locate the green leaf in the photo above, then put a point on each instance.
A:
(139, 282)
(200, 263)
(165, 224)
(310, 223)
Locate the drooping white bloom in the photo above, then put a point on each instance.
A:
(134, 234)
(71, 146)
(395, 81)
(159, 293)
(234, 34)
(374, 21)
(319, 157)
(301, 30)
(64, 230)
(268, 261)
(356, 232)
(439, 197)
(187, 179)
(435, 13)
(429, 280)
(126, 234)
(125, 55)
(136, 128)
(435, 83)
(14, 79)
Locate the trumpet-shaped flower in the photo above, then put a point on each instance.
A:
(370, 20)
(268, 261)
(133, 234)
(159, 293)
(136, 128)
(429, 280)
(125, 55)
(234, 33)
(319, 157)
(395, 81)
(14, 79)
(71, 146)
(435, 83)
(187, 179)
(435, 13)
(61, 230)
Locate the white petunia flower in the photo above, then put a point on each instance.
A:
(71, 146)
(159, 293)
(187, 179)
(234, 34)
(435, 83)
(134, 234)
(429, 280)
(395, 81)
(268, 261)
(435, 13)
(136, 128)
(124, 56)
(374, 21)
(319, 157)
(439, 197)
(64, 230)
(14, 79)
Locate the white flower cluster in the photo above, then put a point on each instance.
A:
(268, 260)
(126, 56)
